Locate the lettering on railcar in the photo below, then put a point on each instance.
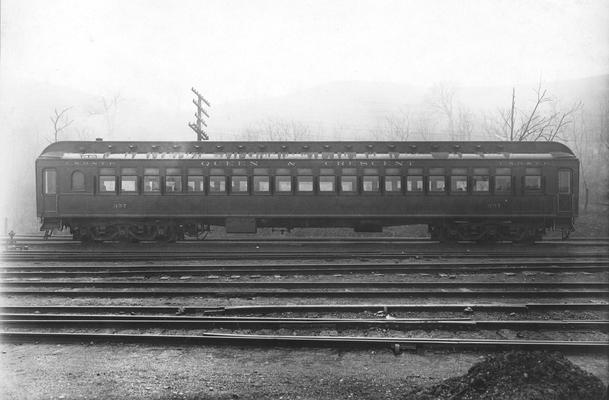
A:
(119, 205)
(496, 205)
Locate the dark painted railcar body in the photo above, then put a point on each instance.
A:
(163, 190)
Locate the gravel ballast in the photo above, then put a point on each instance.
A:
(518, 376)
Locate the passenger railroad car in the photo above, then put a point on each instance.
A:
(165, 190)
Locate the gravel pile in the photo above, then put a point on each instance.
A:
(518, 376)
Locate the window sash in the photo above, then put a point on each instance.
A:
(173, 183)
(283, 183)
(195, 183)
(152, 184)
(327, 184)
(564, 181)
(393, 183)
(503, 183)
(262, 184)
(437, 184)
(481, 183)
(50, 181)
(78, 181)
(217, 184)
(371, 184)
(128, 183)
(532, 182)
(304, 183)
(239, 184)
(414, 183)
(107, 183)
(458, 184)
(348, 184)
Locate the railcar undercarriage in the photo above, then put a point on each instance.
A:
(491, 231)
(136, 231)
(166, 230)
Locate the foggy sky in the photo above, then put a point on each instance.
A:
(157, 50)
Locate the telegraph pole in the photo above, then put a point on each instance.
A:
(199, 123)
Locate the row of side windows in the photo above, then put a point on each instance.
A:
(434, 181)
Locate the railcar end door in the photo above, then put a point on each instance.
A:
(565, 192)
(49, 192)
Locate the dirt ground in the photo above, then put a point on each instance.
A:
(129, 371)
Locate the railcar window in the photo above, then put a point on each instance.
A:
(217, 184)
(414, 180)
(503, 180)
(173, 180)
(532, 179)
(393, 183)
(152, 180)
(107, 180)
(503, 184)
(195, 183)
(262, 184)
(107, 183)
(50, 181)
(304, 183)
(348, 184)
(414, 183)
(370, 183)
(327, 183)
(152, 183)
(173, 183)
(78, 181)
(283, 183)
(437, 180)
(437, 183)
(128, 180)
(239, 184)
(564, 181)
(458, 184)
(481, 183)
(128, 183)
(458, 180)
(481, 180)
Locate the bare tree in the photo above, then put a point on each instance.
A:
(465, 124)
(108, 110)
(394, 127)
(442, 101)
(279, 130)
(60, 122)
(542, 122)
(424, 125)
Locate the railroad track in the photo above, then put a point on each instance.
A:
(255, 254)
(266, 309)
(36, 239)
(22, 327)
(396, 343)
(215, 270)
(190, 322)
(596, 291)
(582, 316)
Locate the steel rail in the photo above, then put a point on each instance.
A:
(251, 293)
(297, 285)
(297, 240)
(179, 322)
(280, 308)
(556, 266)
(231, 254)
(396, 343)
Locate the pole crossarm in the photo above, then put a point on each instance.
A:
(197, 126)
